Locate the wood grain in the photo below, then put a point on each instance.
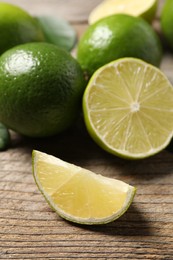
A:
(29, 229)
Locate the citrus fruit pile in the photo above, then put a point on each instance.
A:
(127, 100)
(41, 85)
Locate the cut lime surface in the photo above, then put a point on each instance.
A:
(128, 108)
(80, 195)
(142, 8)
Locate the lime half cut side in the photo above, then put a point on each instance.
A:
(143, 8)
(80, 195)
(128, 108)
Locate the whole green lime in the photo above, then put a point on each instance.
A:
(41, 87)
(118, 36)
(167, 22)
(17, 27)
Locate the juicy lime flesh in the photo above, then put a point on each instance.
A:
(128, 108)
(80, 195)
(144, 8)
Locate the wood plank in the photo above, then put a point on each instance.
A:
(27, 223)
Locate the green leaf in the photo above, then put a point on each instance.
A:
(58, 31)
(4, 137)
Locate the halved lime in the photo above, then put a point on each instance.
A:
(128, 108)
(142, 8)
(80, 195)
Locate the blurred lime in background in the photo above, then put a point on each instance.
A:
(17, 27)
(167, 22)
(118, 36)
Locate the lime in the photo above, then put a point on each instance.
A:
(128, 108)
(167, 22)
(17, 27)
(4, 137)
(143, 8)
(80, 195)
(41, 87)
(116, 37)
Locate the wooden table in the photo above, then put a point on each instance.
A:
(29, 229)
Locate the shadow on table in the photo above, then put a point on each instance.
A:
(132, 223)
(76, 146)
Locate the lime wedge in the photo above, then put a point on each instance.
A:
(128, 108)
(142, 8)
(80, 195)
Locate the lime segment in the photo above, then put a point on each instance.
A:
(80, 195)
